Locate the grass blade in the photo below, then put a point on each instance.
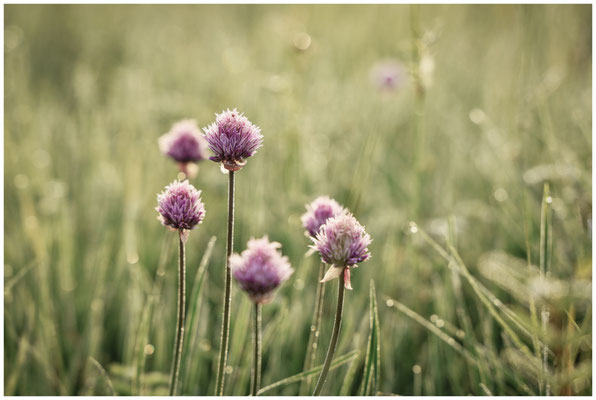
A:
(490, 302)
(17, 277)
(348, 382)
(192, 322)
(338, 362)
(422, 321)
(373, 361)
(105, 376)
(545, 271)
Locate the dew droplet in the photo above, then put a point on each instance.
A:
(302, 40)
(477, 116)
(434, 318)
(148, 349)
(440, 323)
(416, 369)
(500, 195)
(132, 258)
(413, 227)
(229, 369)
(389, 303)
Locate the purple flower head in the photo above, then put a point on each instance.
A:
(318, 212)
(388, 75)
(184, 142)
(232, 138)
(342, 243)
(180, 206)
(260, 269)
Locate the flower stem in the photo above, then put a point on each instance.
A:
(225, 328)
(180, 318)
(257, 336)
(334, 335)
(313, 337)
(420, 96)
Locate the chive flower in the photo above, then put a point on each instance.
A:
(232, 138)
(388, 75)
(180, 206)
(184, 144)
(260, 269)
(342, 243)
(180, 209)
(318, 212)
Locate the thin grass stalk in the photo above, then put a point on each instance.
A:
(257, 337)
(225, 326)
(315, 328)
(533, 314)
(339, 361)
(104, 375)
(189, 360)
(180, 318)
(420, 96)
(487, 298)
(334, 335)
(545, 248)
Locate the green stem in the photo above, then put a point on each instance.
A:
(545, 272)
(420, 94)
(313, 337)
(257, 336)
(180, 318)
(334, 335)
(225, 328)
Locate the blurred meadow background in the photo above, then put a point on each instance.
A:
(470, 168)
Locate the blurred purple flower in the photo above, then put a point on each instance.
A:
(180, 206)
(318, 212)
(184, 144)
(388, 75)
(232, 138)
(260, 269)
(342, 243)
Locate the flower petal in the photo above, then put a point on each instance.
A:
(332, 273)
(184, 234)
(347, 283)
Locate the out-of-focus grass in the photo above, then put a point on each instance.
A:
(88, 89)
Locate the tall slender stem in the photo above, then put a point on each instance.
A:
(257, 336)
(315, 327)
(225, 326)
(180, 318)
(420, 95)
(334, 335)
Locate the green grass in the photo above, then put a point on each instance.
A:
(488, 292)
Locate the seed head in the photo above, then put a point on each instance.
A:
(260, 269)
(180, 206)
(318, 212)
(232, 138)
